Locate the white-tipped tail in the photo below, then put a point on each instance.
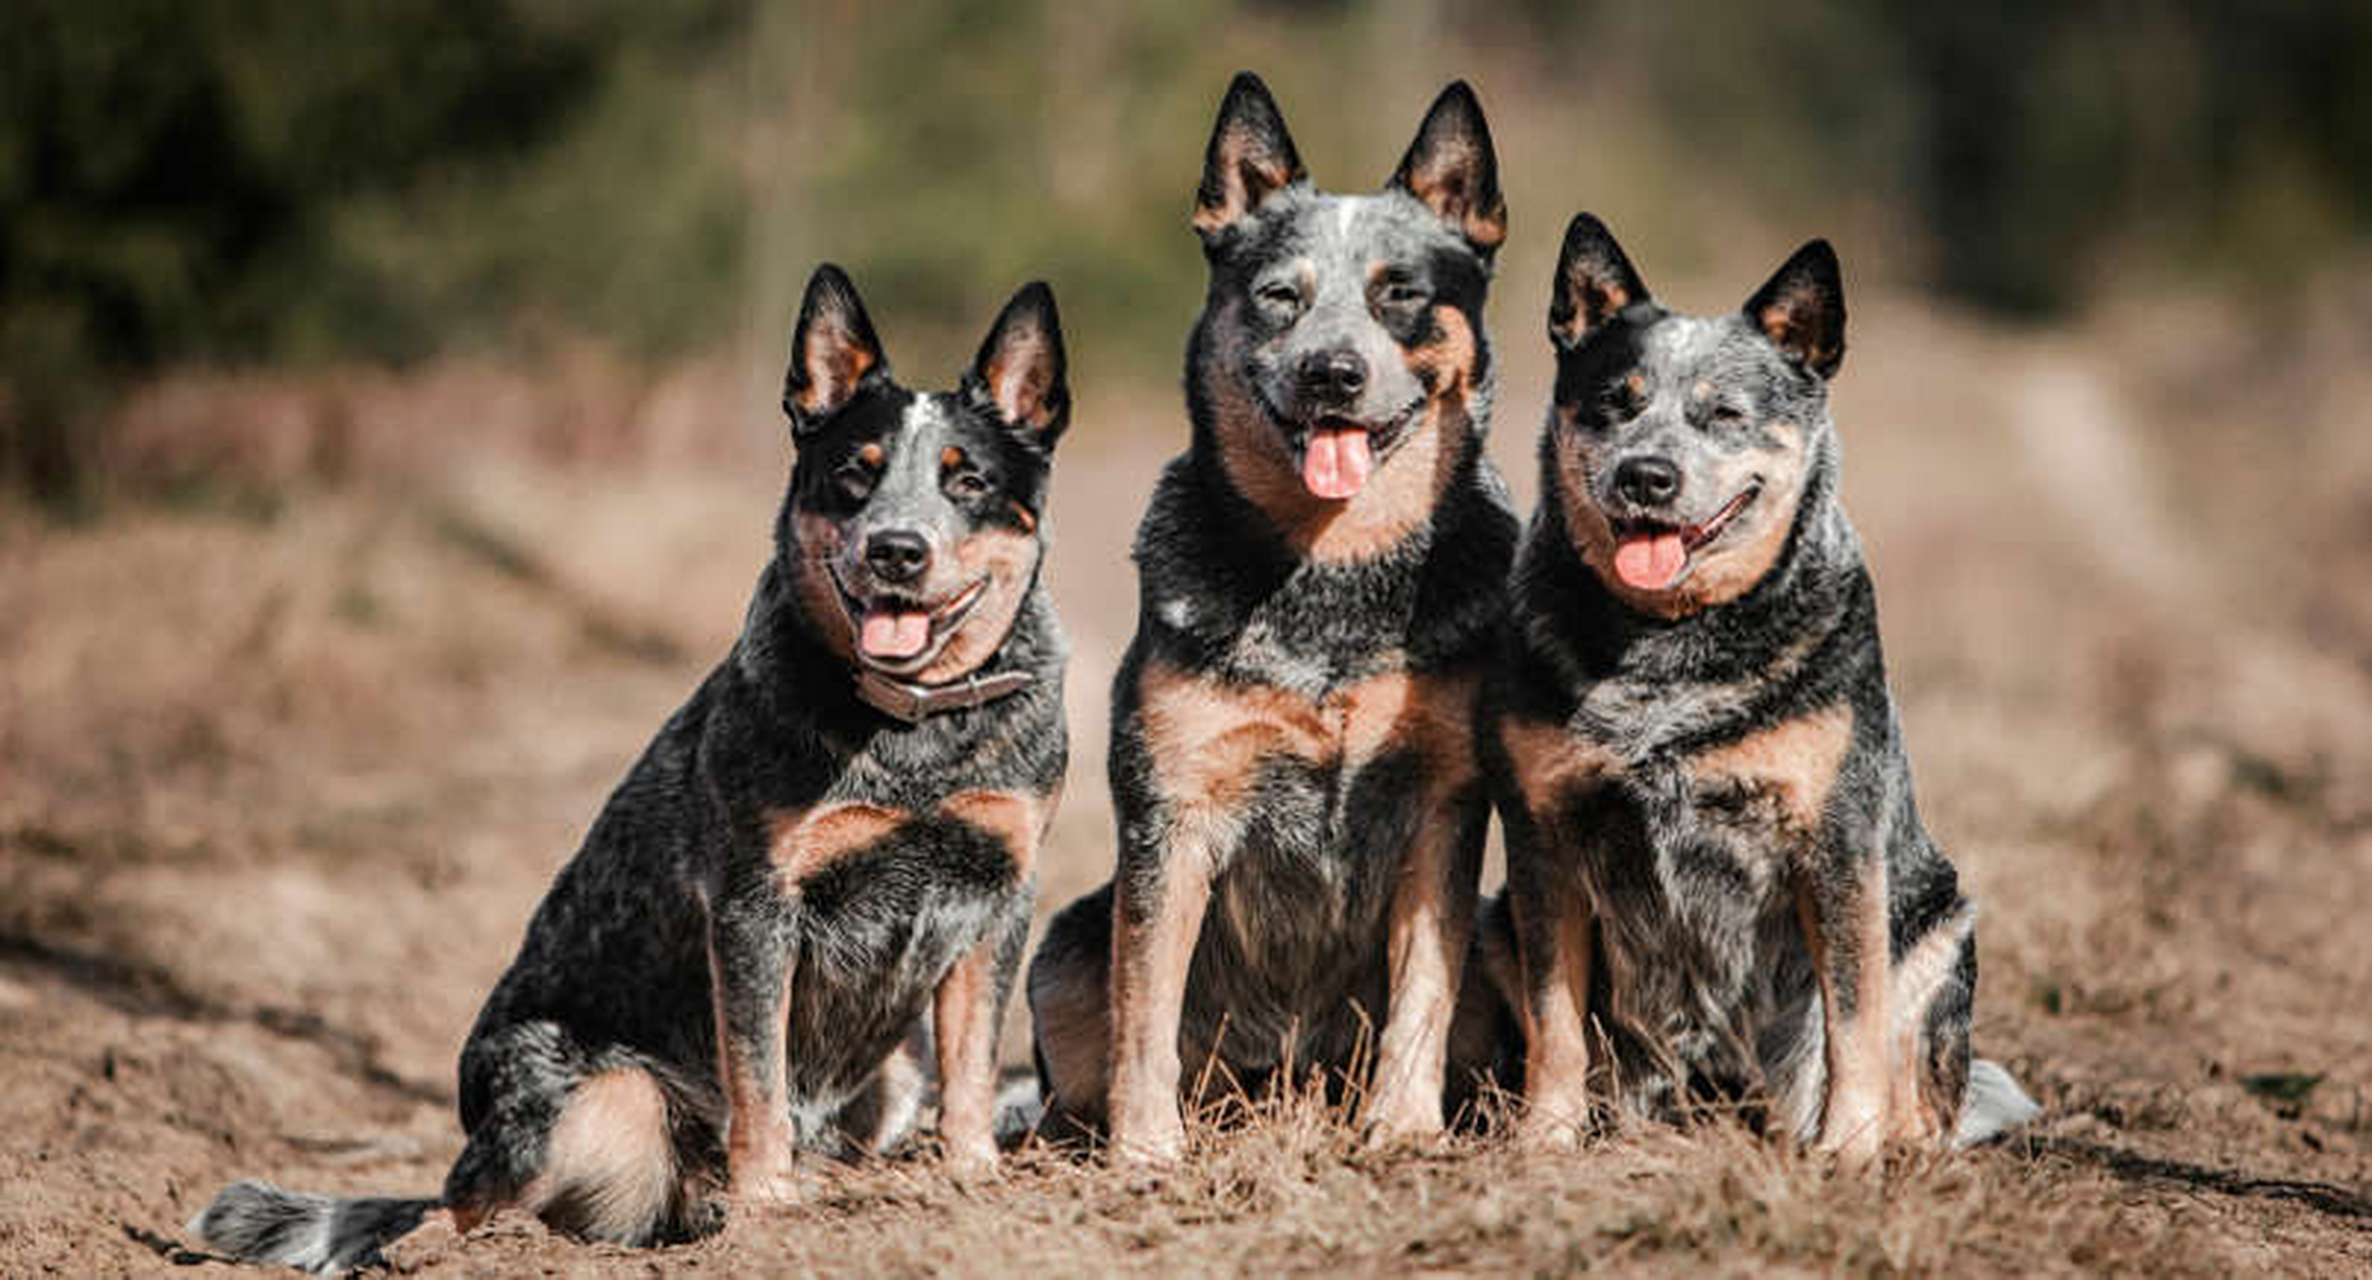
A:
(258, 1222)
(1993, 1105)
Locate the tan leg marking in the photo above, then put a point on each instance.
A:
(965, 1010)
(1853, 1121)
(1915, 1114)
(758, 1141)
(964, 1013)
(1550, 764)
(1555, 1016)
(609, 1168)
(1433, 902)
(1149, 963)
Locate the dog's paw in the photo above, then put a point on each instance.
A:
(761, 1181)
(970, 1163)
(1391, 1124)
(1156, 1145)
(1551, 1130)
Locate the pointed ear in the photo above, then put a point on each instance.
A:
(1595, 280)
(833, 351)
(1020, 371)
(1249, 159)
(1453, 169)
(1802, 309)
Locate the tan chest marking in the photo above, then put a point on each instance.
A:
(807, 842)
(1017, 820)
(1551, 761)
(1795, 762)
(1206, 738)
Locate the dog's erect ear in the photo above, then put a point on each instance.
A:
(1019, 372)
(1594, 281)
(1802, 309)
(1453, 169)
(1249, 159)
(833, 351)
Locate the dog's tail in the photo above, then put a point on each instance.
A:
(1992, 1106)
(258, 1222)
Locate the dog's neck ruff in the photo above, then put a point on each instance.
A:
(912, 703)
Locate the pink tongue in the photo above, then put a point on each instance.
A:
(1650, 561)
(1336, 463)
(896, 635)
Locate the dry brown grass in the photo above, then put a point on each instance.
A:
(280, 782)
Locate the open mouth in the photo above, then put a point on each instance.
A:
(1650, 555)
(898, 634)
(1338, 453)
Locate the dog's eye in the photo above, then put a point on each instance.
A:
(1728, 415)
(968, 484)
(1278, 293)
(855, 479)
(1402, 293)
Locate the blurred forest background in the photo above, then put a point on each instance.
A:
(314, 183)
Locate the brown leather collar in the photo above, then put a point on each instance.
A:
(915, 703)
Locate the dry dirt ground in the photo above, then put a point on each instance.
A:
(285, 764)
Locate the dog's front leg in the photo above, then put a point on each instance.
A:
(750, 960)
(965, 1014)
(1158, 900)
(1432, 921)
(1842, 904)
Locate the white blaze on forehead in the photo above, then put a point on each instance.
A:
(918, 433)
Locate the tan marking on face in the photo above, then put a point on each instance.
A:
(1403, 490)
(872, 454)
(1718, 573)
(1027, 517)
(818, 591)
(804, 842)
(609, 1166)
(964, 1015)
(1007, 561)
(1796, 762)
(950, 458)
(1017, 820)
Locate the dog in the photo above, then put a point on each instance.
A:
(1300, 815)
(1718, 884)
(830, 845)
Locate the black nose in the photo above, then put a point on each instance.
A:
(1332, 377)
(1650, 482)
(897, 555)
